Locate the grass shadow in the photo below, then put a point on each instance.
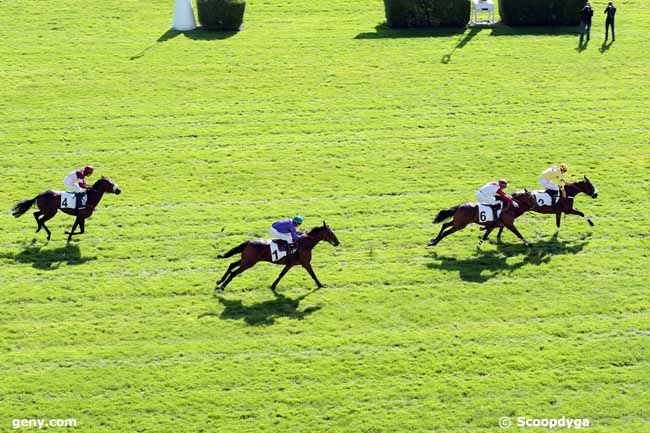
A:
(168, 35)
(503, 30)
(199, 33)
(489, 264)
(49, 259)
(203, 34)
(263, 313)
(383, 31)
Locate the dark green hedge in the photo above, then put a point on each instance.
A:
(427, 13)
(221, 15)
(540, 12)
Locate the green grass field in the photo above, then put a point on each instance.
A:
(313, 109)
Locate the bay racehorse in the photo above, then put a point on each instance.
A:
(565, 204)
(49, 203)
(468, 213)
(258, 250)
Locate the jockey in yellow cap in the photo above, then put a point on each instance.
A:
(553, 180)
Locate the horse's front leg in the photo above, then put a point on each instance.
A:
(277, 280)
(513, 229)
(500, 232)
(577, 212)
(71, 232)
(310, 271)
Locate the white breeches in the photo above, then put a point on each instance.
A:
(283, 236)
(548, 184)
(72, 186)
(486, 198)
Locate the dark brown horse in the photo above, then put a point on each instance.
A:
(49, 203)
(565, 204)
(258, 250)
(468, 213)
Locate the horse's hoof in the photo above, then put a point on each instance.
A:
(590, 223)
(431, 244)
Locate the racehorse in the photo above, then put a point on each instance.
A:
(49, 202)
(468, 213)
(258, 250)
(565, 204)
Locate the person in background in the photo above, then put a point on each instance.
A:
(610, 10)
(585, 21)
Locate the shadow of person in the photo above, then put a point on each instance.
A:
(263, 313)
(49, 259)
(462, 41)
(605, 46)
(507, 258)
(582, 45)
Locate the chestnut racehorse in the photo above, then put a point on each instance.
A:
(468, 213)
(258, 250)
(49, 203)
(565, 204)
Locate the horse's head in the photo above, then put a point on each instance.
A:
(587, 187)
(525, 199)
(329, 236)
(106, 185)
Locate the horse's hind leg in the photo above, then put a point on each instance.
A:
(433, 242)
(232, 266)
(37, 214)
(488, 230)
(451, 230)
(234, 273)
(46, 217)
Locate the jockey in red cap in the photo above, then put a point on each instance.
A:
(493, 192)
(75, 180)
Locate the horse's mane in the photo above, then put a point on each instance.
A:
(314, 230)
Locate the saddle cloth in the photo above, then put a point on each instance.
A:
(486, 213)
(542, 198)
(69, 200)
(277, 253)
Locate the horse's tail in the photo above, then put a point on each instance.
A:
(23, 207)
(445, 214)
(237, 249)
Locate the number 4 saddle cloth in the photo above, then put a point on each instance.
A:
(69, 199)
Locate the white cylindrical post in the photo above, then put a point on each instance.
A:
(183, 16)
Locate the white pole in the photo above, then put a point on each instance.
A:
(183, 16)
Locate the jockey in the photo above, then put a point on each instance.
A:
(286, 230)
(551, 177)
(493, 192)
(75, 180)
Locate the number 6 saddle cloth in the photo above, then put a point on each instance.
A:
(486, 213)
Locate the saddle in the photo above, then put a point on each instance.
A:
(73, 200)
(279, 249)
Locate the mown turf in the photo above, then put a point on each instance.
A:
(314, 109)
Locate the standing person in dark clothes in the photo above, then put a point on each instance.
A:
(610, 10)
(585, 21)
